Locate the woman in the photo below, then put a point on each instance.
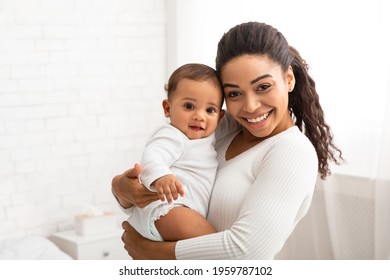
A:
(271, 144)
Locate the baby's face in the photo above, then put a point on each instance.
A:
(195, 108)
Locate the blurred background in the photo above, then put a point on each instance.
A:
(81, 85)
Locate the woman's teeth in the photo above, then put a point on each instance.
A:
(259, 119)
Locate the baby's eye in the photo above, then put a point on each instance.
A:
(211, 110)
(189, 106)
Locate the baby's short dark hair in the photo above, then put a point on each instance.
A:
(192, 71)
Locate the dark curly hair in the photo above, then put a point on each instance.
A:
(256, 38)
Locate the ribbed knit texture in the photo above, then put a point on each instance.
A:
(258, 197)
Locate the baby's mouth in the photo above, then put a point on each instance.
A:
(198, 128)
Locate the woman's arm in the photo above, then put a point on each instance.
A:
(277, 199)
(128, 190)
(140, 248)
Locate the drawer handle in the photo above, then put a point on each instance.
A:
(106, 254)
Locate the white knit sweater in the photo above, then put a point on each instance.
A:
(258, 197)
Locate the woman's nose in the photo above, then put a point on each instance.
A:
(251, 104)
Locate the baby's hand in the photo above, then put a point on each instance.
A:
(168, 187)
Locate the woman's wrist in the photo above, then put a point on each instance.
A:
(158, 250)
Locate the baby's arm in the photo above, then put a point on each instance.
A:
(165, 146)
(168, 187)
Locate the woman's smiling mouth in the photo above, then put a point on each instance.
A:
(259, 118)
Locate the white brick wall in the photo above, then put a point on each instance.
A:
(81, 83)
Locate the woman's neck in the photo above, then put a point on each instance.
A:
(240, 144)
(245, 140)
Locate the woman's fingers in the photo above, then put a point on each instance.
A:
(134, 172)
(130, 238)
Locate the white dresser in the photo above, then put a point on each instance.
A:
(105, 246)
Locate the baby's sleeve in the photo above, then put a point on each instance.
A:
(163, 149)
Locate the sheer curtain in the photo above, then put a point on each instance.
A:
(382, 197)
(350, 216)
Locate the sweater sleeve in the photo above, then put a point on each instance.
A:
(278, 198)
(162, 150)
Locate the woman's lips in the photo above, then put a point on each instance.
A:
(259, 118)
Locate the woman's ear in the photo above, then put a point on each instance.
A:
(167, 108)
(290, 79)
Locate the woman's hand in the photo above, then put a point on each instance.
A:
(140, 248)
(129, 191)
(132, 240)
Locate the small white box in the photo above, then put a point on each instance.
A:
(90, 225)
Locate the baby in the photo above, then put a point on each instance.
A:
(179, 161)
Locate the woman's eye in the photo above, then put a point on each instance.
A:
(189, 106)
(232, 94)
(263, 87)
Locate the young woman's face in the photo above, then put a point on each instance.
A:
(256, 92)
(195, 108)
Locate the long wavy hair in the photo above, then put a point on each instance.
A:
(256, 38)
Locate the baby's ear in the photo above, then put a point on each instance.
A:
(221, 114)
(167, 108)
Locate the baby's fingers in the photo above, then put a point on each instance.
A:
(174, 191)
(168, 194)
(179, 188)
(161, 193)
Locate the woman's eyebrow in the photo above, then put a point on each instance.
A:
(230, 85)
(260, 78)
(251, 82)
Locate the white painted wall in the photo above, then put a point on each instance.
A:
(80, 87)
